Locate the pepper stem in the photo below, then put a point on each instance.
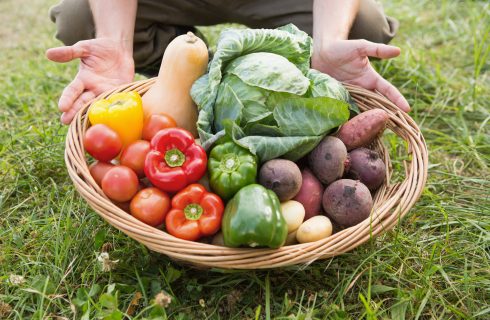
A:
(229, 163)
(174, 158)
(193, 211)
(117, 103)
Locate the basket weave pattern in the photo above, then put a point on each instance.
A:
(391, 201)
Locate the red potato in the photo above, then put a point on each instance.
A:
(366, 166)
(363, 129)
(327, 160)
(347, 202)
(310, 194)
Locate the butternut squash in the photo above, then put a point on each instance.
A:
(184, 61)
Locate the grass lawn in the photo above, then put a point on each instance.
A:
(434, 265)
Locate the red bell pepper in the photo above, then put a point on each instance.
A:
(174, 160)
(195, 213)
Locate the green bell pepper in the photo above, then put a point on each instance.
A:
(253, 218)
(231, 168)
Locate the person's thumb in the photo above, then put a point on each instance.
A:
(378, 50)
(66, 53)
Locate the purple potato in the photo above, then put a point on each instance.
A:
(327, 160)
(366, 166)
(281, 176)
(347, 202)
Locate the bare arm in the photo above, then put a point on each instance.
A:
(115, 19)
(105, 62)
(347, 60)
(332, 19)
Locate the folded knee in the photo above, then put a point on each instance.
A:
(74, 21)
(372, 24)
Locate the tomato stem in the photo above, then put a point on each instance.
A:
(193, 211)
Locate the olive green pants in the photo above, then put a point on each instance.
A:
(158, 22)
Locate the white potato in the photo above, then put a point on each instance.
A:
(291, 239)
(294, 214)
(314, 229)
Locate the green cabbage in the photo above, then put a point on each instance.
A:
(261, 93)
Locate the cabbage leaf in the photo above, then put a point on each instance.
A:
(260, 92)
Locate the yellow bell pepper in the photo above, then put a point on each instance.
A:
(122, 112)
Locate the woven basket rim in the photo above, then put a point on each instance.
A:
(391, 202)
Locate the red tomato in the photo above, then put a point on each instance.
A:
(124, 206)
(120, 184)
(155, 123)
(99, 169)
(150, 205)
(134, 155)
(102, 143)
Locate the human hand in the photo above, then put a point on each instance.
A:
(104, 64)
(347, 61)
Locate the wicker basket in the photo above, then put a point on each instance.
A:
(391, 201)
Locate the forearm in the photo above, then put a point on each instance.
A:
(115, 19)
(332, 19)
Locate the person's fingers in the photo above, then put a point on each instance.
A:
(392, 93)
(85, 97)
(66, 53)
(70, 94)
(377, 50)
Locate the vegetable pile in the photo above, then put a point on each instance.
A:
(270, 167)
